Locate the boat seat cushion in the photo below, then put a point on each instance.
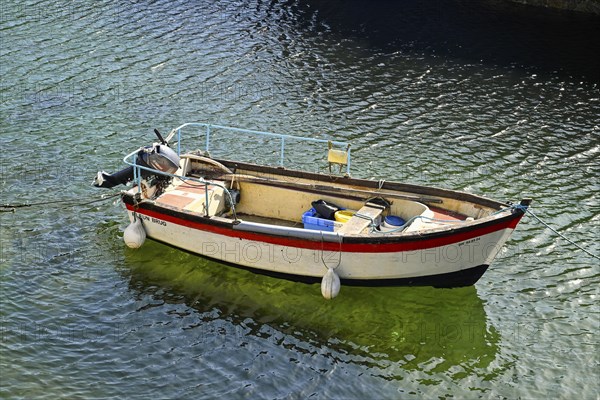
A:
(192, 197)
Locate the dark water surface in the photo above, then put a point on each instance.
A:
(495, 100)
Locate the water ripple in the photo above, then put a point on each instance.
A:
(82, 316)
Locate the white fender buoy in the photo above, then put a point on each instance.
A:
(135, 234)
(330, 285)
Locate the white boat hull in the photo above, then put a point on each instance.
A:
(437, 261)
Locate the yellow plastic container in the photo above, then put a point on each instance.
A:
(344, 216)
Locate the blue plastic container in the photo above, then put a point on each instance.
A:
(311, 221)
(393, 221)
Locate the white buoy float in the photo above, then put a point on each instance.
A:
(330, 285)
(135, 234)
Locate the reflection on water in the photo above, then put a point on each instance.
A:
(421, 329)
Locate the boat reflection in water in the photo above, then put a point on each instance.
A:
(415, 328)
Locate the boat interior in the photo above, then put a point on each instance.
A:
(281, 197)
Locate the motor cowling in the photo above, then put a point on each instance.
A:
(158, 156)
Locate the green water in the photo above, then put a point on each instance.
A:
(491, 100)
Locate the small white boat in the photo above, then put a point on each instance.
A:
(309, 226)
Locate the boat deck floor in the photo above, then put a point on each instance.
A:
(437, 214)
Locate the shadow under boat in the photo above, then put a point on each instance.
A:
(409, 327)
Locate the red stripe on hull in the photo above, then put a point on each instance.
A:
(393, 247)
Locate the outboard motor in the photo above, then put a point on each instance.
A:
(158, 156)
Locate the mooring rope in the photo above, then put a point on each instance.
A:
(561, 235)
(323, 251)
(65, 202)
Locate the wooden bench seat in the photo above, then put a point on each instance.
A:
(362, 219)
